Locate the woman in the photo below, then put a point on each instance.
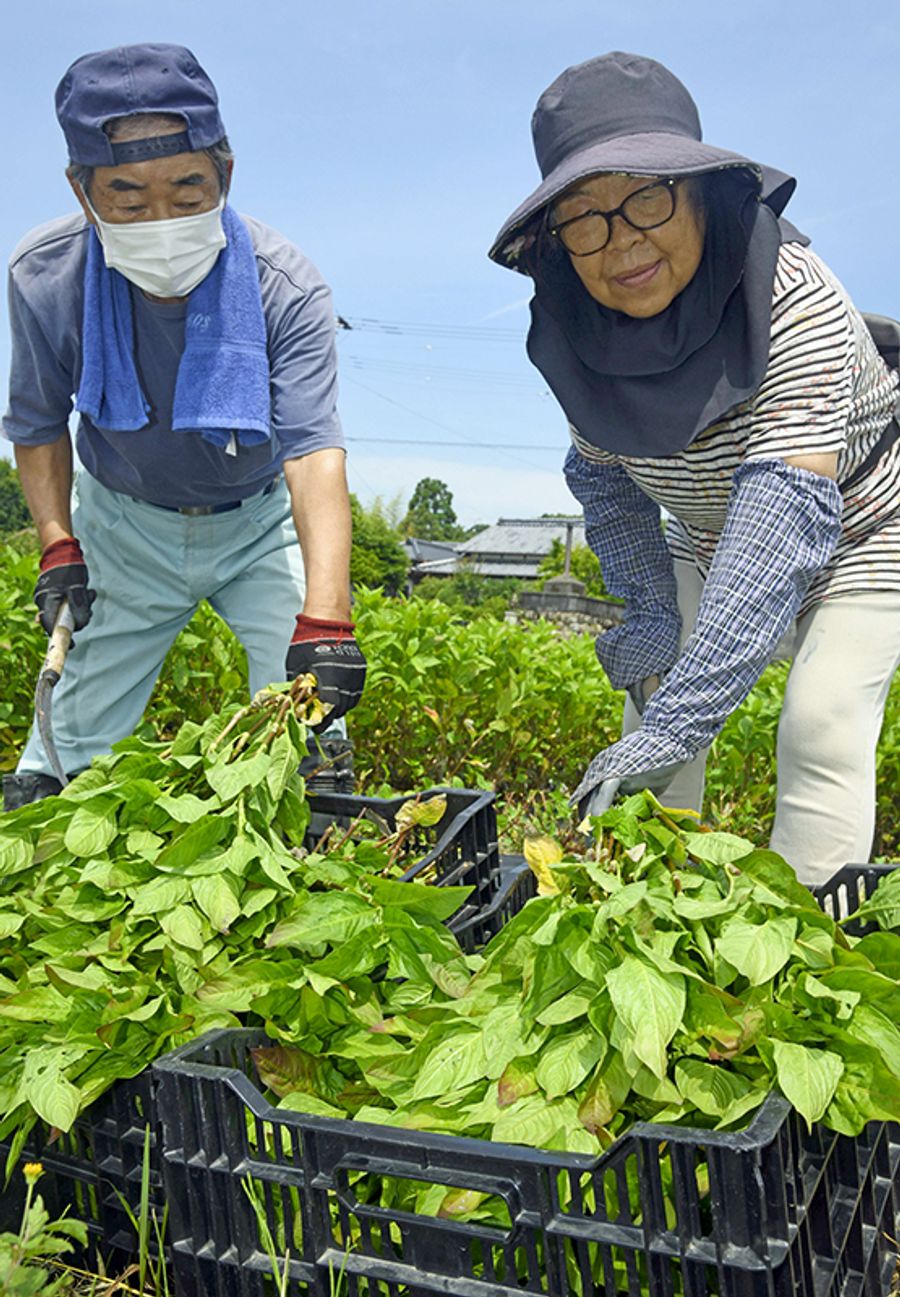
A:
(710, 365)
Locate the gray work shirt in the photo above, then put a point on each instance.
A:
(154, 463)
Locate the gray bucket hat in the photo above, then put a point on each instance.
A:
(617, 113)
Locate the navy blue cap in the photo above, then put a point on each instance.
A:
(136, 79)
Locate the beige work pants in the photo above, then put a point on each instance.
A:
(845, 652)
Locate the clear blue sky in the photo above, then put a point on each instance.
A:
(390, 138)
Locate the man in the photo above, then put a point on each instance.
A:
(199, 346)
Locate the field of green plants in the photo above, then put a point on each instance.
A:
(669, 971)
(452, 697)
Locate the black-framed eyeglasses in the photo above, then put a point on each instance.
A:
(644, 209)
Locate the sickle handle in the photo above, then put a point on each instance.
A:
(59, 643)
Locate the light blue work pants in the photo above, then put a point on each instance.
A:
(151, 569)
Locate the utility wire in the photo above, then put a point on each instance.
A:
(477, 445)
(462, 441)
(432, 372)
(460, 332)
(438, 373)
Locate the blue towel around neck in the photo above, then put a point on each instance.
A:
(223, 376)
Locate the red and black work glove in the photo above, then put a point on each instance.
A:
(329, 650)
(64, 575)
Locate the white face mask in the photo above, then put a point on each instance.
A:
(164, 258)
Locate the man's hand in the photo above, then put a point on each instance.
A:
(64, 575)
(329, 650)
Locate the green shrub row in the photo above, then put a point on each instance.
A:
(453, 697)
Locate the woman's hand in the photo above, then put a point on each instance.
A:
(644, 759)
(782, 527)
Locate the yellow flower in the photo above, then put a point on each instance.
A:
(33, 1171)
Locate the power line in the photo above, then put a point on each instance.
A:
(462, 441)
(477, 445)
(459, 332)
(431, 372)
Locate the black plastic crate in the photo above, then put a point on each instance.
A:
(460, 849)
(84, 1168)
(103, 1153)
(105, 1149)
(846, 890)
(773, 1211)
(515, 886)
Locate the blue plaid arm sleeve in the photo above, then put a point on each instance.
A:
(622, 527)
(782, 526)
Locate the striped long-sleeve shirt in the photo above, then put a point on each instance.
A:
(826, 389)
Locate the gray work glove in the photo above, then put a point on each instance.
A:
(601, 797)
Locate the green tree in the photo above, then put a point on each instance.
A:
(378, 558)
(471, 595)
(466, 533)
(14, 513)
(431, 515)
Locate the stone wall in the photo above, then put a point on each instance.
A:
(567, 623)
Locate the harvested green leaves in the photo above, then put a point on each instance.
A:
(671, 975)
(167, 891)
